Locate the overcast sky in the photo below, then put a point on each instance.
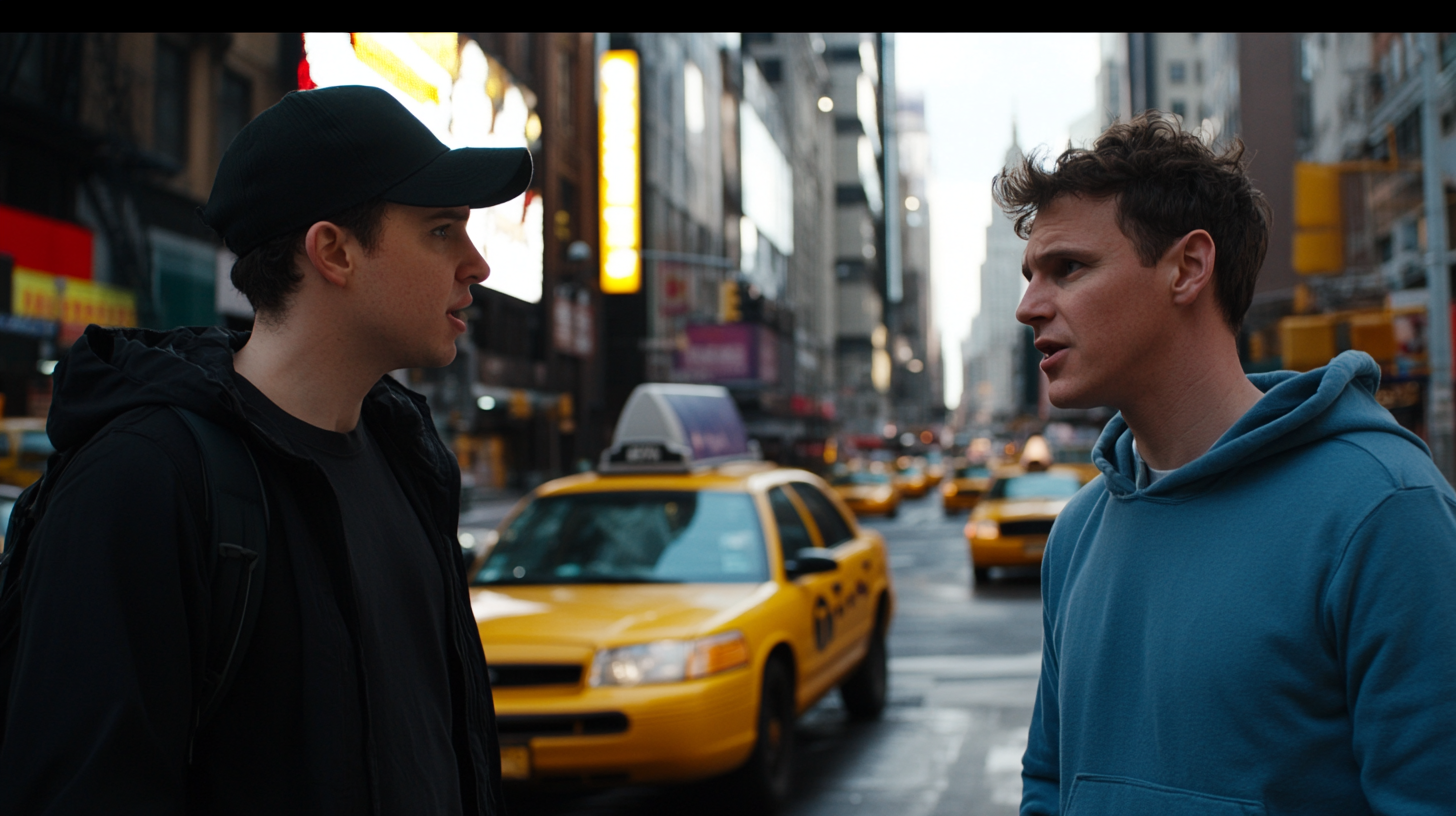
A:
(974, 84)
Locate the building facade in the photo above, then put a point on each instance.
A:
(111, 141)
(991, 353)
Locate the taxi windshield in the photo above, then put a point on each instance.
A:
(860, 477)
(1036, 486)
(35, 449)
(972, 472)
(631, 537)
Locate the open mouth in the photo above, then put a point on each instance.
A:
(457, 318)
(1052, 352)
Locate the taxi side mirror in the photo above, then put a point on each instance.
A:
(808, 561)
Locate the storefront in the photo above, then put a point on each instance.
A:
(47, 299)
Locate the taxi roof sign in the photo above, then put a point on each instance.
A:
(674, 427)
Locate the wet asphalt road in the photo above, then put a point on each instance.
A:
(963, 667)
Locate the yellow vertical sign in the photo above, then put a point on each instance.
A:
(619, 180)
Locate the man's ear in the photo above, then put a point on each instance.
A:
(1191, 258)
(332, 251)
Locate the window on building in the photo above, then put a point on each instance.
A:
(1385, 248)
(1177, 72)
(1179, 108)
(169, 134)
(234, 108)
(1198, 72)
(565, 81)
(24, 56)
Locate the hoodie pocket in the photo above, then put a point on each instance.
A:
(1095, 795)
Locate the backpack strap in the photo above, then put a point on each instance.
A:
(238, 513)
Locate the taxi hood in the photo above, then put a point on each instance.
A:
(598, 615)
(1010, 509)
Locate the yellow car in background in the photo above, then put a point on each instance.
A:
(1009, 526)
(667, 618)
(935, 466)
(868, 492)
(911, 478)
(965, 485)
(24, 449)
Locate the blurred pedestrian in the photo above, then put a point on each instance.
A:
(363, 688)
(1250, 610)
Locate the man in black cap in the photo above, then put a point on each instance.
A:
(363, 688)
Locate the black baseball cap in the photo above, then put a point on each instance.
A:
(319, 152)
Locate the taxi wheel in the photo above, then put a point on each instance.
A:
(983, 575)
(894, 511)
(865, 691)
(764, 781)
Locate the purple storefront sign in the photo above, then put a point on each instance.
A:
(732, 352)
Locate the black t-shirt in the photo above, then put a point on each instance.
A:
(403, 622)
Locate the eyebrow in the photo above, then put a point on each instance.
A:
(1073, 252)
(451, 213)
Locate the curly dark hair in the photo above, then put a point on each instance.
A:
(268, 275)
(1167, 183)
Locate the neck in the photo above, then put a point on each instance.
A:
(1189, 406)
(306, 370)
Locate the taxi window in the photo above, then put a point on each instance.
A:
(4, 444)
(832, 526)
(35, 448)
(793, 535)
(1036, 486)
(860, 477)
(631, 537)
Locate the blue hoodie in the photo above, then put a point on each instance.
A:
(1270, 629)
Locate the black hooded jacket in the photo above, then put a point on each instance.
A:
(114, 622)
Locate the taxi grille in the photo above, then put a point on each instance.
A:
(1022, 528)
(560, 725)
(503, 675)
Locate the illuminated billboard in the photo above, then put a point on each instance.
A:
(620, 184)
(467, 99)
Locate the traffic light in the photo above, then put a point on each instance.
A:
(730, 302)
(1319, 240)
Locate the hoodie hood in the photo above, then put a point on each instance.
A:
(111, 371)
(1297, 409)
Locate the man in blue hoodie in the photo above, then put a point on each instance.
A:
(1251, 611)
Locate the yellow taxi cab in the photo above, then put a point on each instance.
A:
(24, 449)
(935, 466)
(870, 491)
(668, 617)
(911, 478)
(966, 483)
(1009, 526)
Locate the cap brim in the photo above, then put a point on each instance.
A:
(469, 176)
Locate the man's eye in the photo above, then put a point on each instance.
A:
(1073, 266)
(442, 231)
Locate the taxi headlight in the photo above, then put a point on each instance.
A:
(984, 529)
(949, 489)
(669, 661)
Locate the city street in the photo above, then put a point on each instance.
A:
(963, 669)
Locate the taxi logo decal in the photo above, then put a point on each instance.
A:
(823, 623)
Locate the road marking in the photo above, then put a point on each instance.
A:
(914, 760)
(1003, 767)
(969, 667)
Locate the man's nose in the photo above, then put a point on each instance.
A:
(475, 269)
(1034, 307)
